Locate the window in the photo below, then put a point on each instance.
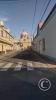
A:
(21, 44)
(6, 34)
(1, 33)
(24, 40)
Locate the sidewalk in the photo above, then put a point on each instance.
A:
(8, 54)
(46, 61)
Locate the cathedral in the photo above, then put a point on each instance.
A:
(25, 41)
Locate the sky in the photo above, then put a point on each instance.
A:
(18, 14)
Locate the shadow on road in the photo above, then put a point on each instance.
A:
(33, 56)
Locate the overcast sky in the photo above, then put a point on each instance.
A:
(18, 14)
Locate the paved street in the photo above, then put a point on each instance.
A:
(20, 74)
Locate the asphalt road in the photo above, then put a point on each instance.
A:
(23, 84)
(28, 55)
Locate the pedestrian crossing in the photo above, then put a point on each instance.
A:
(6, 66)
(30, 66)
(18, 67)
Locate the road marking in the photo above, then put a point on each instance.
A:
(1, 64)
(18, 67)
(29, 64)
(6, 67)
(30, 68)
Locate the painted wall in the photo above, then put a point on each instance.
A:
(48, 33)
(6, 40)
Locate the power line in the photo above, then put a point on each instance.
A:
(14, 1)
(34, 14)
(45, 10)
(38, 22)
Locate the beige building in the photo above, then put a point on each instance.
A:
(6, 39)
(25, 41)
(17, 45)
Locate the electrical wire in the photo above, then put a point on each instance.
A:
(45, 10)
(34, 13)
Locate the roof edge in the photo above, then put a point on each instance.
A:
(48, 16)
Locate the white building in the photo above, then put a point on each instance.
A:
(45, 41)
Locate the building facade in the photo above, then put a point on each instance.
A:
(45, 41)
(25, 41)
(17, 45)
(6, 39)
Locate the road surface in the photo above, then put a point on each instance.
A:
(20, 74)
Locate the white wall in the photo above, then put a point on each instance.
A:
(49, 34)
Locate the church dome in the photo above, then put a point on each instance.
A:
(23, 34)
